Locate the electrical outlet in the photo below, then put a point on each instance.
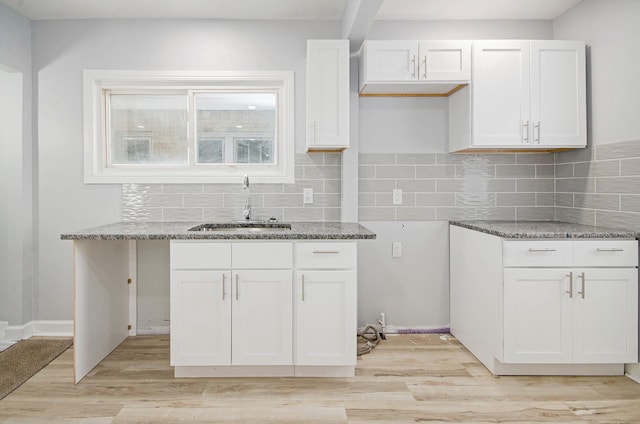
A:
(396, 249)
(397, 196)
(307, 196)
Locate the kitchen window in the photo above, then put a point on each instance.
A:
(170, 127)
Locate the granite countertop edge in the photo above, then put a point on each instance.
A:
(544, 229)
(180, 231)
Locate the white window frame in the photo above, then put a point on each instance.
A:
(97, 171)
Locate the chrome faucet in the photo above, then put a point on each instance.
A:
(246, 213)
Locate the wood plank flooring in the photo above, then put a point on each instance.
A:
(406, 379)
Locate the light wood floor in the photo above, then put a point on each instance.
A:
(406, 379)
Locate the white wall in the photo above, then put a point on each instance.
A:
(612, 32)
(16, 202)
(413, 290)
(62, 49)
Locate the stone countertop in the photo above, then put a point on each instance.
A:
(179, 231)
(544, 229)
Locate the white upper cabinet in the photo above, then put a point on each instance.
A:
(500, 93)
(430, 67)
(558, 94)
(442, 60)
(327, 95)
(524, 95)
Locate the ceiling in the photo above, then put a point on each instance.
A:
(288, 9)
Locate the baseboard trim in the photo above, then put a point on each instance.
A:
(46, 328)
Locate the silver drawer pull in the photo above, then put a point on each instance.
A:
(542, 249)
(570, 291)
(326, 251)
(610, 249)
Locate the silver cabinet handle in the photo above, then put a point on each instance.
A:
(326, 251)
(542, 249)
(581, 292)
(223, 278)
(610, 249)
(425, 67)
(236, 287)
(303, 287)
(536, 132)
(413, 65)
(525, 132)
(570, 291)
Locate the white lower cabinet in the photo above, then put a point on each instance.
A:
(325, 318)
(545, 306)
(233, 313)
(200, 307)
(570, 316)
(261, 318)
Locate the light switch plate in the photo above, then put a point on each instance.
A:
(396, 249)
(307, 196)
(397, 196)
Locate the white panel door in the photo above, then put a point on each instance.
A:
(606, 316)
(444, 60)
(327, 94)
(395, 60)
(558, 93)
(326, 322)
(262, 317)
(537, 316)
(500, 93)
(200, 318)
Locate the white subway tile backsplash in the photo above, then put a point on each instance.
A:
(224, 202)
(515, 171)
(597, 201)
(416, 158)
(435, 171)
(606, 168)
(501, 213)
(182, 214)
(395, 171)
(630, 203)
(203, 200)
(626, 185)
(606, 191)
(630, 167)
(525, 213)
(454, 186)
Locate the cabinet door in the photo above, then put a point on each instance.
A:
(537, 316)
(500, 93)
(262, 317)
(558, 93)
(200, 306)
(326, 324)
(391, 60)
(327, 94)
(445, 60)
(606, 316)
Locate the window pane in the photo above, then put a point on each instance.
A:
(148, 129)
(210, 150)
(249, 117)
(252, 150)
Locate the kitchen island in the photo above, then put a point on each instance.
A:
(104, 263)
(545, 297)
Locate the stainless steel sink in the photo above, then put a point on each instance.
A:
(253, 226)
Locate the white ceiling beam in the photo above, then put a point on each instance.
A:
(357, 20)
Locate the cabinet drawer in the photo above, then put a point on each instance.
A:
(326, 255)
(264, 255)
(200, 255)
(530, 253)
(605, 253)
